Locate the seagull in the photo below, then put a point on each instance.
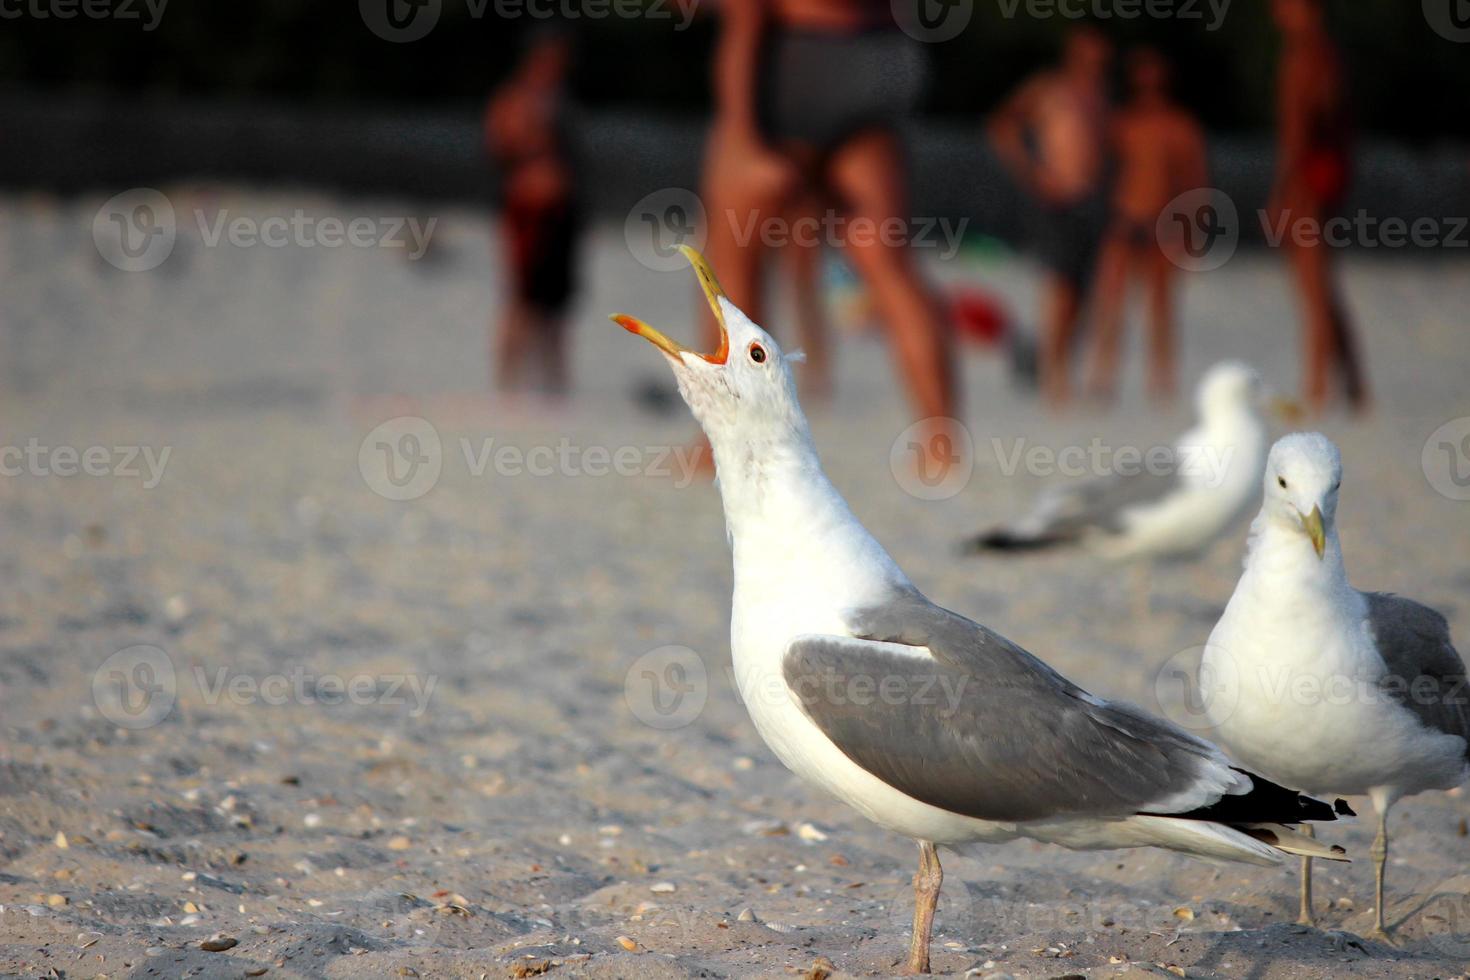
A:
(1311, 681)
(1170, 505)
(925, 722)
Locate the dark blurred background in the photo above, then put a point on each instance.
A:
(301, 92)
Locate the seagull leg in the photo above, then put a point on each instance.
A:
(926, 897)
(1380, 858)
(1304, 917)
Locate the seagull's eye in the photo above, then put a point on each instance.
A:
(757, 353)
(1282, 481)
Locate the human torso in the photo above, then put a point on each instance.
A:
(1068, 125)
(830, 15)
(1150, 145)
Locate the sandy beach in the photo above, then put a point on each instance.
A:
(316, 654)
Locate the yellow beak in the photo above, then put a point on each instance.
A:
(712, 294)
(1312, 524)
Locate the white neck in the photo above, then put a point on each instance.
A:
(793, 537)
(1278, 554)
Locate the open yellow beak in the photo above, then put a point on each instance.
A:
(1312, 524)
(712, 293)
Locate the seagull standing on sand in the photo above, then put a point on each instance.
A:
(925, 722)
(1313, 682)
(1166, 509)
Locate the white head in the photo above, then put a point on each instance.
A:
(743, 393)
(1227, 389)
(1303, 474)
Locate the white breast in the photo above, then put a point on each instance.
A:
(1291, 683)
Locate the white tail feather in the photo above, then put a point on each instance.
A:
(1291, 841)
(1203, 839)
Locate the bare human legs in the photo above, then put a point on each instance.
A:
(739, 196)
(1329, 344)
(511, 342)
(1161, 370)
(867, 173)
(804, 261)
(1114, 269)
(1121, 262)
(521, 331)
(1062, 307)
(739, 199)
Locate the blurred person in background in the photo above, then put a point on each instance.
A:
(804, 265)
(1313, 167)
(808, 94)
(523, 132)
(1159, 153)
(1051, 134)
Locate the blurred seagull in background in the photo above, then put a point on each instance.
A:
(925, 722)
(1316, 683)
(1168, 508)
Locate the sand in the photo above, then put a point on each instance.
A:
(491, 728)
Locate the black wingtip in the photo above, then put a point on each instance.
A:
(1340, 806)
(1002, 540)
(1269, 802)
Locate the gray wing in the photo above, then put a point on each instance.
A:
(1069, 510)
(1425, 674)
(985, 729)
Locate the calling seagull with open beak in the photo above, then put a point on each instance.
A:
(821, 613)
(716, 297)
